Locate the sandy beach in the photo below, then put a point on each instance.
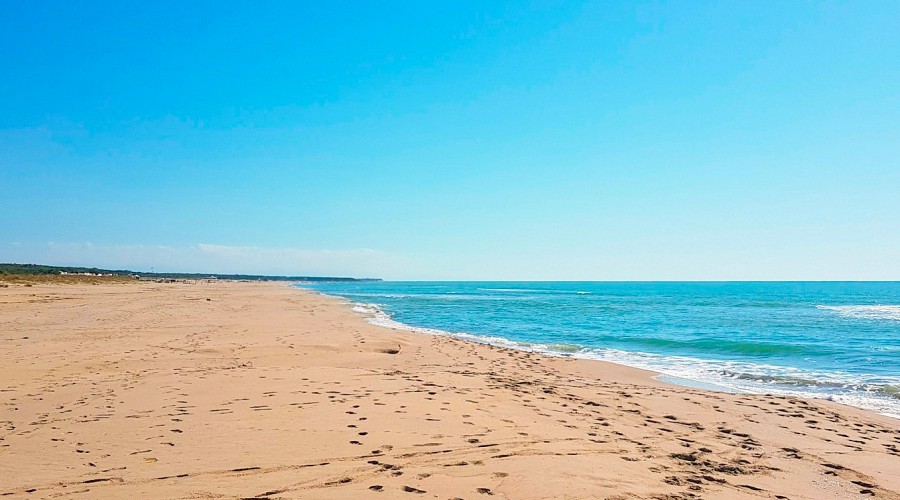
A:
(260, 390)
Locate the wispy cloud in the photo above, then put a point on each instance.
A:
(205, 257)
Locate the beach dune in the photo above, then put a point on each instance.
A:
(259, 390)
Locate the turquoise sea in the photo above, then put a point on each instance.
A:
(836, 340)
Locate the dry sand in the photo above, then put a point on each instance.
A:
(223, 390)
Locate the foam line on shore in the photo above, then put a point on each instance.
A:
(723, 376)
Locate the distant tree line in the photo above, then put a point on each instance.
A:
(37, 269)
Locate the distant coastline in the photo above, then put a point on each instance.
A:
(44, 270)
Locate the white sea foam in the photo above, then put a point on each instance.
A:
(739, 376)
(376, 316)
(736, 376)
(428, 296)
(889, 312)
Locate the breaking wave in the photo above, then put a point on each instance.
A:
(882, 312)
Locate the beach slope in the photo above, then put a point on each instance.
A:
(258, 390)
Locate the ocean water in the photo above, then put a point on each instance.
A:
(838, 340)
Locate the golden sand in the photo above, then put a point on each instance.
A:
(231, 390)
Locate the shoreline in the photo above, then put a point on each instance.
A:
(265, 390)
(375, 315)
(649, 376)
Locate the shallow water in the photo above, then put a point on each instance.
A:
(835, 340)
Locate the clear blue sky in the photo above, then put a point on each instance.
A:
(454, 140)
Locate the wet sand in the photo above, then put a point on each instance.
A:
(258, 390)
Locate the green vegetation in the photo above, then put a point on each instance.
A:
(41, 270)
(37, 269)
